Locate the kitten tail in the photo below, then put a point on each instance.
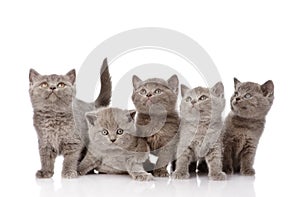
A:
(105, 93)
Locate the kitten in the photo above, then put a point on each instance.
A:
(244, 125)
(157, 120)
(200, 130)
(51, 97)
(114, 147)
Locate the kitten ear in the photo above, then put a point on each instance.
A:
(268, 88)
(218, 89)
(173, 83)
(236, 82)
(72, 76)
(91, 118)
(136, 81)
(33, 75)
(131, 115)
(184, 89)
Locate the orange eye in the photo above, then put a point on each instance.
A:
(61, 85)
(44, 85)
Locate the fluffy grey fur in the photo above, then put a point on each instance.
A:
(51, 97)
(155, 100)
(200, 130)
(244, 125)
(114, 147)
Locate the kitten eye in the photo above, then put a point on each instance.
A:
(188, 99)
(202, 98)
(157, 91)
(44, 85)
(104, 132)
(120, 131)
(143, 91)
(236, 94)
(248, 95)
(61, 85)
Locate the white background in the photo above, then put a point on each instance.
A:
(251, 40)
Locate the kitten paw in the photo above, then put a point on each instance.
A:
(40, 174)
(248, 172)
(143, 177)
(221, 176)
(69, 174)
(160, 173)
(229, 171)
(180, 175)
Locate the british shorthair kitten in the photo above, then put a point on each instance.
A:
(51, 98)
(244, 125)
(157, 120)
(200, 130)
(114, 147)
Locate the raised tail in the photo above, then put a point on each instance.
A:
(105, 92)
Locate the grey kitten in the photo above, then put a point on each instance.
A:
(51, 98)
(157, 120)
(244, 125)
(200, 130)
(114, 147)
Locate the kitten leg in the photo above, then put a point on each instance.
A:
(87, 164)
(137, 172)
(247, 159)
(228, 160)
(214, 163)
(71, 153)
(182, 165)
(164, 157)
(47, 156)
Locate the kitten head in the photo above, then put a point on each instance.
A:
(111, 126)
(203, 102)
(149, 94)
(52, 92)
(251, 100)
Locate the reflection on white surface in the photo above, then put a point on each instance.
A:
(113, 185)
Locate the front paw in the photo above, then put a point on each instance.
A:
(160, 172)
(180, 175)
(70, 174)
(40, 174)
(248, 172)
(228, 170)
(143, 177)
(221, 176)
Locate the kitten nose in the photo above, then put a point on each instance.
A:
(148, 94)
(237, 98)
(193, 102)
(112, 140)
(52, 87)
